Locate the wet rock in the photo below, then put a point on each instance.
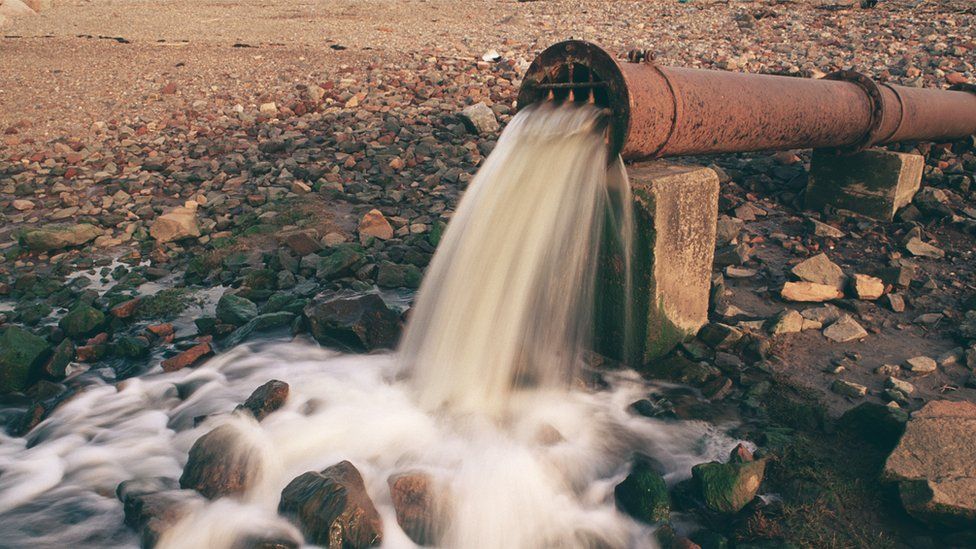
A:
(236, 310)
(266, 399)
(280, 540)
(867, 287)
(933, 465)
(375, 225)
(820, 269)
(848, 388)
(187, 358)
(728, 487)
(418, 511)
(177, 224)
(21, 356)
(921, 365)
(82, 321)
(809, 292)
(154, 505)
(644, 494)
(916, 247)
(479, 118)
(126, 309)
(342, 262)
(332, 508)
(131, 347)
(357, 322)
(56, 366)
(393, 275)
(845, 329)
(221, 463)
(56, 237)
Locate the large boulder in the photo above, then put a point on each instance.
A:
(934, 465)
(356, 322)
(176, 224)
(332, 508)
(56, 237)
(21, 356)
(221, 463)
(728, 487)
(644, 494)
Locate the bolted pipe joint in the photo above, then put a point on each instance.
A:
(661, 111)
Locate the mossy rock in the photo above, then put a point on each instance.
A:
(236, 310)
(21, 355)
(64, 353)
(343, 261)
(82, 321)
(644, 494)
(393, 275)
(728, 487)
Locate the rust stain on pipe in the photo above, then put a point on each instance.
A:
(663, 111)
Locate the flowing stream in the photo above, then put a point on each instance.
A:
(484, 394)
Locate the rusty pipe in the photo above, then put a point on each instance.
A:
(664, 111)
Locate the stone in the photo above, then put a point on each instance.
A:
(153, 505)
(933, 465)
(894, 383)
(56, 237)
(728, 487)
(332, 508)
(418, 509)
(675, 213)
(302, 242)
(15, 8)
(56, 367)
(878, 424)
(355, 322)
(916, 247)
(39, 5)
(921, 365)
(809, 292)
(719, 336)
(374, 224)
(268, 109)
(266, 399)
(821, 270)
(874, 183)
(187, 358)
(845, 329)
(221, 463)
(825, 230)
(727, 230)
(82, 321)
(393, 275)
(896, 302)
(236, 310)
(22, 205)
(643, 494)
(867, 287)
(787, 322)
(21, 356)
(176, 224)
(479, 118)
(848, 388)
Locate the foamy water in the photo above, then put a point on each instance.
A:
(483, 396)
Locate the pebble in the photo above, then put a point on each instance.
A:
(921, 365)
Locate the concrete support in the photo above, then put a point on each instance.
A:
(675, 214)
(875, 183)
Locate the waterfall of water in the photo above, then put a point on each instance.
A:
(507, 299)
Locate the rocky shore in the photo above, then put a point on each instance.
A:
(209, 207)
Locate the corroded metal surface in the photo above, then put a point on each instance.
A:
(663, 111)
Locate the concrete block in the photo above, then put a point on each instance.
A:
(875, 183)
(675, 215)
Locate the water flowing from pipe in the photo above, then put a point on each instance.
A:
(480, 397)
